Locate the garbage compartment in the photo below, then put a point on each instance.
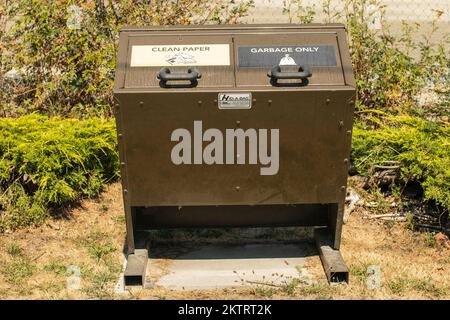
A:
(235, 125)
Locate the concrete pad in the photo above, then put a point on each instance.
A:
(231, 266)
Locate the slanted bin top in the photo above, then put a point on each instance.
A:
(233, 56)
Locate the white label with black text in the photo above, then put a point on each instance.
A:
(180, 55)
(235, 100)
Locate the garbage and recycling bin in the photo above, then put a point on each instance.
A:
(234, 125)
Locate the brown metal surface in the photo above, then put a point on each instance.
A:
(212, 76)
(333, 34)
(314, 123)
(332, 261)
(233, 216)
(314, 144)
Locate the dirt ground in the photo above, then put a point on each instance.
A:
(43, 262)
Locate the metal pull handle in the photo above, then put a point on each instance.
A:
(191, 75)
(276, 74)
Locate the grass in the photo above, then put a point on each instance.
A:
(289, 288)
(50, 289)
(265, 292)
(100, 278)
(18, 270)
(362, 272)
(359, 271)
(99, 287)
(93, 240)
(321, 291)
(98, 251)
(429, 239)
(97, 245)
(56, 267)
(401, 285)
(14, 250)
(104, 207)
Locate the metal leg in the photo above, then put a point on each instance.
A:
(332, 261)
(335, 221)
(135, 270)
(136, 267)
(130, 215)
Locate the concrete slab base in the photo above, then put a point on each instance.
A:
(231, 266)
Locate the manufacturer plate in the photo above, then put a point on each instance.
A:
(235, 100)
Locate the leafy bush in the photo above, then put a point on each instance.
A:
(402, 83)
(393, 71)
(48, 162)
(67, 70)
(422, 148)
(397, 74)
(64, 55)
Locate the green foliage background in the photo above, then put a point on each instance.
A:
(69, 71)
(422, 148)
(48, 160)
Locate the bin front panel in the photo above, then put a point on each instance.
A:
(313, 144)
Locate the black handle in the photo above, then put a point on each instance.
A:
(192, 75)
(276, 74)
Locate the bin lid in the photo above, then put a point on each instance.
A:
(233, 56)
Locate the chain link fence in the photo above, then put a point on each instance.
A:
(386, 14)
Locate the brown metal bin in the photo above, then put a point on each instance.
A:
(235, 125)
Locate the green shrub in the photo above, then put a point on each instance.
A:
(421, 146)
(401, 73)
(402, 83)
(50, 162)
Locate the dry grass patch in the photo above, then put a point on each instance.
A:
(34, 262)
